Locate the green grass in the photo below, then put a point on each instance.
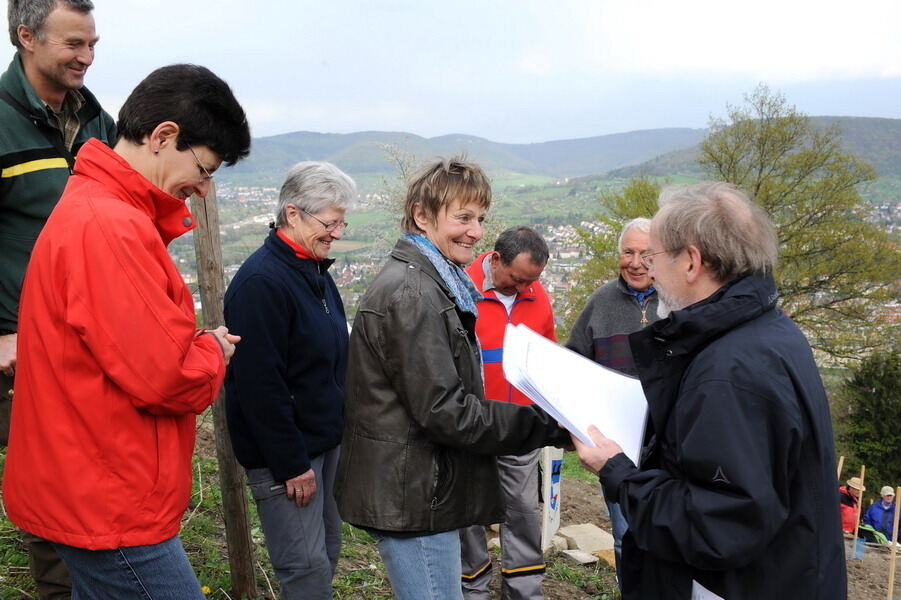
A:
(597, 580)
(360, 576)
(357, 219)
(516, 180)
(572, 469)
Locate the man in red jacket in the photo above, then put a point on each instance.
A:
(508, 280)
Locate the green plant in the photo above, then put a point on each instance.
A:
(867, 411)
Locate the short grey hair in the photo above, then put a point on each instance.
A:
(641, 224)
(33, 14)
(734, 236)
(314, 186)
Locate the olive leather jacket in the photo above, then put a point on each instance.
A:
(419, 440)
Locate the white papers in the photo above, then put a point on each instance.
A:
(576, 391)
(699, 592)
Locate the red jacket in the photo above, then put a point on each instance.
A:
(111, 370)
(848, 506)
(531, 307)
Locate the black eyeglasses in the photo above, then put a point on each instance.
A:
(331, 225)
(207, 176)
(647, 260)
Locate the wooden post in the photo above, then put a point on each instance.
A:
(863, 469)
(211, 279)
(891, 569)
(841, 463)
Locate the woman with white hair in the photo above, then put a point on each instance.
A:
(286, 389)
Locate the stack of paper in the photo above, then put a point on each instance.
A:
(576, 391)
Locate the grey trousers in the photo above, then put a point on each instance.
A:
(303, 542)
(522, 561)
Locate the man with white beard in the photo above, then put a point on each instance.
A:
(734, 496)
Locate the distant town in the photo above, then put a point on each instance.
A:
(246, 212)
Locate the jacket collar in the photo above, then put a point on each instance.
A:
(15, 82)
(406, 252)
(170, 215)
(286, 253)
(688, 330)
(663, 350)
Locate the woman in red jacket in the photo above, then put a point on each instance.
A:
(112, 369)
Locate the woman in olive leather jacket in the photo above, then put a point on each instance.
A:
(419, 442)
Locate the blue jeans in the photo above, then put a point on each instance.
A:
(423, 568)
(619, 525)
(154, 572)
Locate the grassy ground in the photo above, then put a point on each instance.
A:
(360, 574)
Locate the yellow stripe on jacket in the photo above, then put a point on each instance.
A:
(34, 165)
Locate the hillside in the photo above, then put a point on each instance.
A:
(364, 157)
(876, 141)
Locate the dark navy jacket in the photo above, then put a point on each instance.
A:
(285, 383)
(736, 489)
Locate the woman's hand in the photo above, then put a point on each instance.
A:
(302, 488)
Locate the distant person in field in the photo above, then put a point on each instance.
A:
(511, 293)
(881, 514)
(285, 388)
(849, 498)
(112, 370)
(601, 332)
(734, 497)
(418, 452)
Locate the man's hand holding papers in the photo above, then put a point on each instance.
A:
(594, 458)
(576, 391)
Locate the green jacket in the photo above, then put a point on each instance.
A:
(32, 177)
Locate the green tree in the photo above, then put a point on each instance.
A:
(638, 198)
(867, 412)
(835, 265)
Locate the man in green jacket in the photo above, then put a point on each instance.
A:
(45, 116)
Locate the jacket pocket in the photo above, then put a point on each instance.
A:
(443, 476)
(262, 485)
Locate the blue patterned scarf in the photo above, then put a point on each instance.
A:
(457, 281)
(641, 297)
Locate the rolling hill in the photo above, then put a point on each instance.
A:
(363, 154)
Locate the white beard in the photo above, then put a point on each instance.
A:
(667, 304)
(663, 309)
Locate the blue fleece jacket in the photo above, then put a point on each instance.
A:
(285, 383)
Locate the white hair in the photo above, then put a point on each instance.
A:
(314, 186)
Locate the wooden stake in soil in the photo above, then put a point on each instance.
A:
(863, 469)
(891, 568)
(211, 278)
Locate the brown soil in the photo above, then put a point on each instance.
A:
(867, 576)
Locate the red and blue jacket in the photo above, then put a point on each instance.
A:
(532, 307)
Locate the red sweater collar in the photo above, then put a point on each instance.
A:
(299, 251)
(99, 162)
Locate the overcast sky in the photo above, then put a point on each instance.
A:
(512, 70)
